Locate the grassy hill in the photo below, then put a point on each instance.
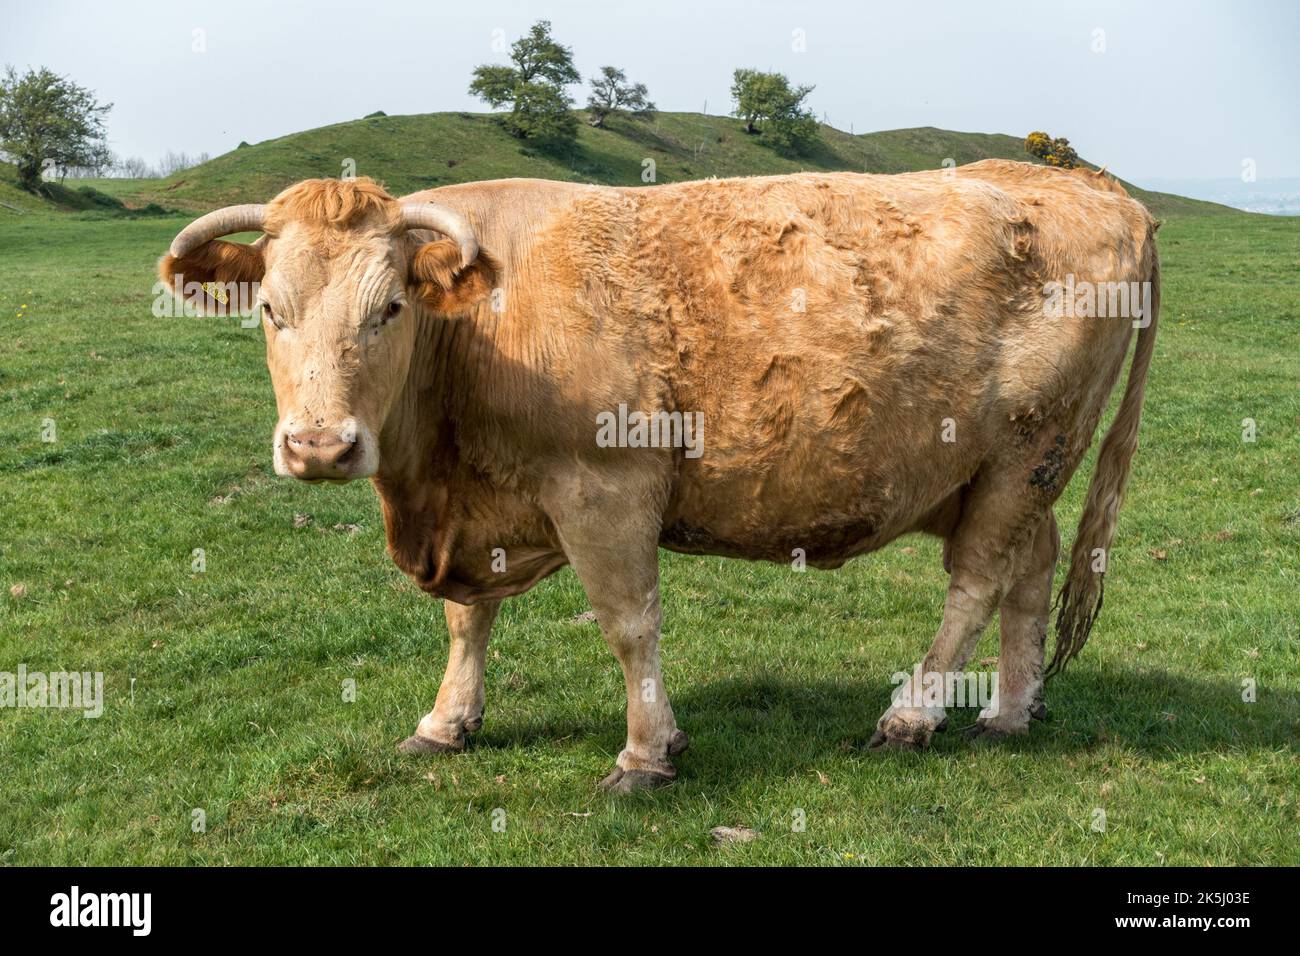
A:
(436, 149)
(76, 195)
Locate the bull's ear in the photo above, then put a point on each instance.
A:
(218, 277)
(443, 285)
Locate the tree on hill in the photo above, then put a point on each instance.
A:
(613, 95)
(48, 121)
(769, 99)
(533, 87)
(1054, 152)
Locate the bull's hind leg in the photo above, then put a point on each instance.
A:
(459, 708)
(986, 550)
(1024, 611)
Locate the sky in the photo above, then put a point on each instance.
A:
(1152, 88)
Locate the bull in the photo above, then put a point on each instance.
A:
(858, 357)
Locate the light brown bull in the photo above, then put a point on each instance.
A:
(851, 358)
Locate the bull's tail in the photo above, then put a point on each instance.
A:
(1079, 601)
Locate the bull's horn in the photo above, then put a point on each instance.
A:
(221, 222)
(430, 215)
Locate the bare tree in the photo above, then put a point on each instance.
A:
(612, 94)
(99, 161)
(133, 167)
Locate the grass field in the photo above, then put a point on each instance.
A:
(223, 688)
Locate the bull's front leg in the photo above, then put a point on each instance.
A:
(459, 708)
(630, 623)
(620, 573)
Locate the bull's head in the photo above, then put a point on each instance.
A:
(336, 278)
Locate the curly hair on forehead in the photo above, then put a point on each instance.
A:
(338, 203)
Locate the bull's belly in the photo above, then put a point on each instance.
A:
(825, 546)
(833, 518)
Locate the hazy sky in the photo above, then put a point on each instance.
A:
(1186, 89)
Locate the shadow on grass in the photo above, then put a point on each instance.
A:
(767, 726)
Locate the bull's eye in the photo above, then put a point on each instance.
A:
(269, 314)
(380, 319)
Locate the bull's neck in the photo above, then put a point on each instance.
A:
(420, 456)
(418, 443)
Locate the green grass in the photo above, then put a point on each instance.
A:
(224, 687)
(409, 153)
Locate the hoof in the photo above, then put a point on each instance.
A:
(627, 781)
(1038, 711)
(984, 732)
(942, 726)
(415, 744)
(896, 733)
(678, 743)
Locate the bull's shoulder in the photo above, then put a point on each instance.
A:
(501, 208)
(509, 189)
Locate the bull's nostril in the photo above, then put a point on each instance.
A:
(315, 454)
